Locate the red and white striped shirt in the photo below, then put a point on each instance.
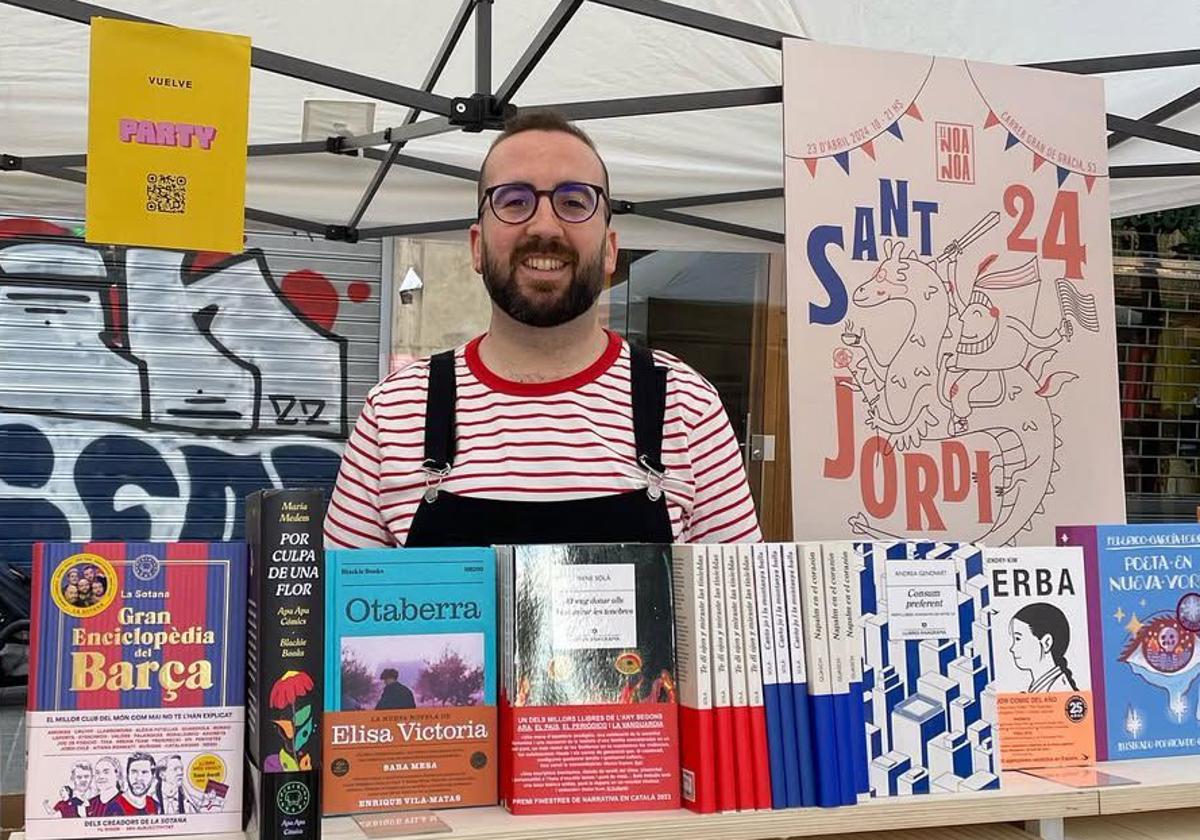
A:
(547, 441)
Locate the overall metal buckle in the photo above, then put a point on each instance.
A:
(654, 480)
(434, 475)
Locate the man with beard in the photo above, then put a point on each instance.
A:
(170, 793)
(108, 786)
(549, 427)
(139, 778)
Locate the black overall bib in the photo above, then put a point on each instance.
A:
(635, 516)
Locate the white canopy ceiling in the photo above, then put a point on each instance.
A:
(602, 53)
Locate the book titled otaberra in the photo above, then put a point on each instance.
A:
(410, 680)
(588, 704)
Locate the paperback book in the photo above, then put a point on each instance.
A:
(589, 717)
(1143, 585)
(135, 719)
(410, 682)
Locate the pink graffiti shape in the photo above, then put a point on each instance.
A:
(16, 228)
(311, 293)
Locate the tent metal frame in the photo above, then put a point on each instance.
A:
(487, 108)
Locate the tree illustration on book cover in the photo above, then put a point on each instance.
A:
(297, 728)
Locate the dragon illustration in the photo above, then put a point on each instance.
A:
(965, 366)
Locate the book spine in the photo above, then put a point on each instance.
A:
(808, 586)
(286, 624)
(788, 610)
(777, 746)
(722, 688)
(693, 663)
(37, 587)
(839, 665)
(852, 611)
(508, 654)
(755, 701)
(743, 753)
(1087, 536)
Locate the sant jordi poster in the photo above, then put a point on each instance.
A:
(951, 335)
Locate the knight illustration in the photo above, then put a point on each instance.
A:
(966, 363)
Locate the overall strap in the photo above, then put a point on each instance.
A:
(439, 414)
(649, 394)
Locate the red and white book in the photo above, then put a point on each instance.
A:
(722, 684)
(693, 663)
(757, 713)
(738, 689)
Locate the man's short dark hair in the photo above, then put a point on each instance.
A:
(389, 674)
(139, 756)
(540, 120)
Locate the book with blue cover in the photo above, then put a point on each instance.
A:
(1144, 614)
(928, 663)
(796, 710)
(781, 755)
(410, 679)
(804, 576)
(136, 698)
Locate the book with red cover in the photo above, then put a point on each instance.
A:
(726, 748)
(693, 663)
(589, 717)
(754, 679)
(745, 756)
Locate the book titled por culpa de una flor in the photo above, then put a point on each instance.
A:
(135, 714)
(410, 680)
(285, 648)
(588, 698)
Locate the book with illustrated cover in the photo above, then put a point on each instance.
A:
(136, 690)
(589, 717)
(410, 680)
(1044, 704)
(693, 661)
(1143, 586)
(285, 656)
(928, 663)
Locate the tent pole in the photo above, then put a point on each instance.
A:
(483, 46)
(416, 229)
(1155, 170)
(704, 21)
(1121, 63)
(709, 224)
(669, 103)
(272, 62)
(1158, 115)
(424, 165)
(550, 30)
(711, 198)
(1157, 133)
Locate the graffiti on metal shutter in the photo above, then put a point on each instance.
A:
(144, 393)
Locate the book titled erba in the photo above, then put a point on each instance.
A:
(588, 699)
(410, 680)
(137, 678)
(1143, 586)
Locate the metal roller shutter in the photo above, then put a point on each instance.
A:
(144, 393)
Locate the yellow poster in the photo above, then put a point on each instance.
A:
(167, 126)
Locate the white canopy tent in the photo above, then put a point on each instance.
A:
(598, 50)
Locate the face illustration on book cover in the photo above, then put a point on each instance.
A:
(1160, 648)
(1040, 637)
(139, 785)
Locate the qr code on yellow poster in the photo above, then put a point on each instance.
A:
(166, 193)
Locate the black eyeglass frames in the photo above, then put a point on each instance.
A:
(573, 202)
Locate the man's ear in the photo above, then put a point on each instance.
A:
(477, 248)
(610, 253)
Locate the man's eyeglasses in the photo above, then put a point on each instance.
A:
(573, 202)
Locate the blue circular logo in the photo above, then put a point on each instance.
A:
(145, 567)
